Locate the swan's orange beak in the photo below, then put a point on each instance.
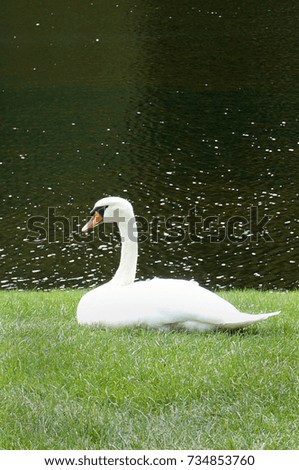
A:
(95, 220)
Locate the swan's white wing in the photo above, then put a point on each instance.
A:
(159, 303)
(154, 303)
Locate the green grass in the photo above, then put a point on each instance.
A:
(64, 386)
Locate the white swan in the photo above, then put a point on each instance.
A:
(158, 303)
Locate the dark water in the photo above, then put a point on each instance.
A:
(173, 105)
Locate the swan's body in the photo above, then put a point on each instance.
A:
(158, 303)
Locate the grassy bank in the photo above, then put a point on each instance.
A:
(68, 387)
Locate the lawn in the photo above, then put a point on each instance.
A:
(65, 386)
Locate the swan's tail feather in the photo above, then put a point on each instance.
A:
(248, 319)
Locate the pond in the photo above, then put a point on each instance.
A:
(187, 109)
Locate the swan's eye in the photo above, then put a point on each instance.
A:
(100, 211)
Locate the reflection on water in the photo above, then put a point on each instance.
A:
(171, 106)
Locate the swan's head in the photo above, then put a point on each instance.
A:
(109, 209)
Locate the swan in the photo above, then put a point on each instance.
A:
(157, 303)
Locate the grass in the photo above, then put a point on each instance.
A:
(64, 386)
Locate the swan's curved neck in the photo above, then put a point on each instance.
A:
(126, 271)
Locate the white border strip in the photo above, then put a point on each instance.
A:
(127, 459)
